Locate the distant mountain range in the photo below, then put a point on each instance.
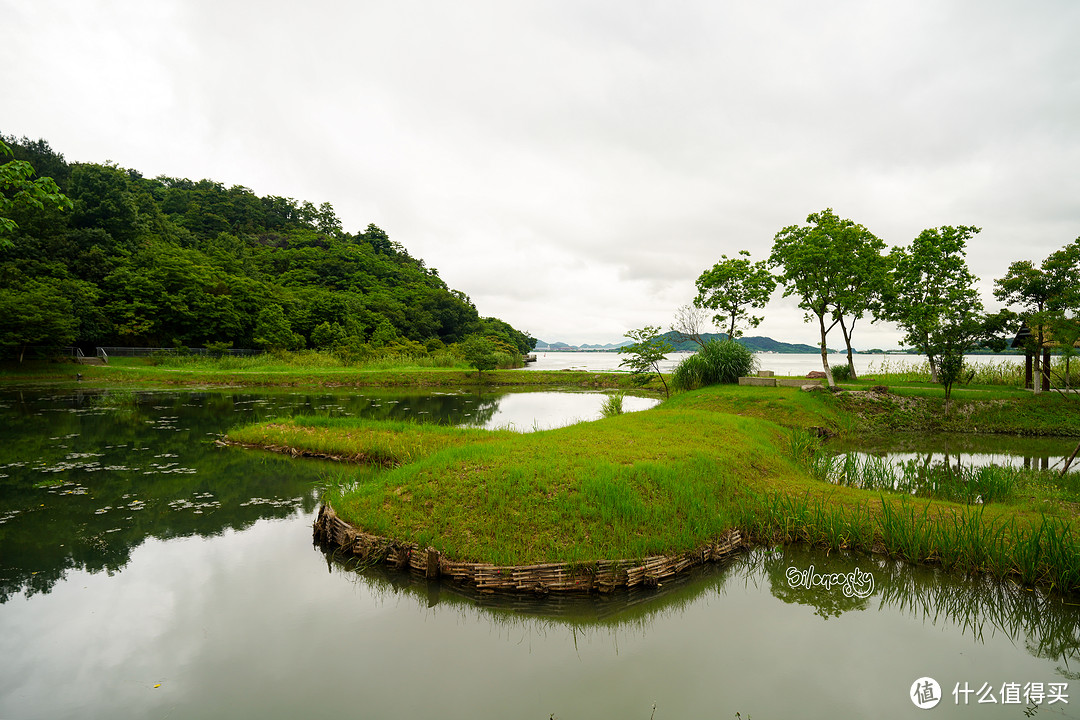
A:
(757, 344)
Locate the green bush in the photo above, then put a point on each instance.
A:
(841, 373)
(720, 361)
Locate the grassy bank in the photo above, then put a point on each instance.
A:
(665, 480)
(973, 409)
(143, 371)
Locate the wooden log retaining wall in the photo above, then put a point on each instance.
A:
(600, 576)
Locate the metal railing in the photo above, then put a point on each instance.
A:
(105, 352)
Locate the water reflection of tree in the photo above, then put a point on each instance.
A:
(167, 480)
(1048, 626)
(484, 407)
(827, 602)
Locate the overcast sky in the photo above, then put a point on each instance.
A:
(574, 166)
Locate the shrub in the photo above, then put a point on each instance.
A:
(612, 405)
(841, 373)
(218, 349)
(720, 361)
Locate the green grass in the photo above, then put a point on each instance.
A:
(1033, 550)
(142, 371)
(977, 410)
(628, 486)
(666, 480)
(378, 442)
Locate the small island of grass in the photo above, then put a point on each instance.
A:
(681, 477)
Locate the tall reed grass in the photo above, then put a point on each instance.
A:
(1009, 372)
(941, 481)
(612, 405)
(1044, 552)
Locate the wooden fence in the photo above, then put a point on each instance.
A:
(600, 576)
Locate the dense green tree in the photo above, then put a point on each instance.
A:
(328, 335)
(1046, 295)
(514, 340)
(733, 287)
(273, 331)
(931, 295)
(384, 334)
(930, 279)
(171, 259)
(103, 199)
(835, 267)
(20, 188)
(38, 313)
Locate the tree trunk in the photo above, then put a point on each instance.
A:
(1038, 380)
(656, 367)
(933, 369)
(1069, 461)
(847, 341)
(825, 353)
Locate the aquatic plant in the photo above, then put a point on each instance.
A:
(1045, 551)
(612, 405)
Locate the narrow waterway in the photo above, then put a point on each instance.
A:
(147, 573)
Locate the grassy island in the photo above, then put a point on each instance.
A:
(675, 477)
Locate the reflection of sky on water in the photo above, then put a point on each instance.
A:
(252, 624)
(544, 410)
(966, 449)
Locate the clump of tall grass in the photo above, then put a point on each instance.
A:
(803, 445)
(612, 405)
(719, 361)
(841, 373)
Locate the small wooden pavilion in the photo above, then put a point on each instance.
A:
(1024, 340)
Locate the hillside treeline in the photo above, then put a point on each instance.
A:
(169, 261)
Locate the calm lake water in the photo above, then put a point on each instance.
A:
(781, 364)
(147, 573)
(960, 449)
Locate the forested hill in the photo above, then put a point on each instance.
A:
(165, 261)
